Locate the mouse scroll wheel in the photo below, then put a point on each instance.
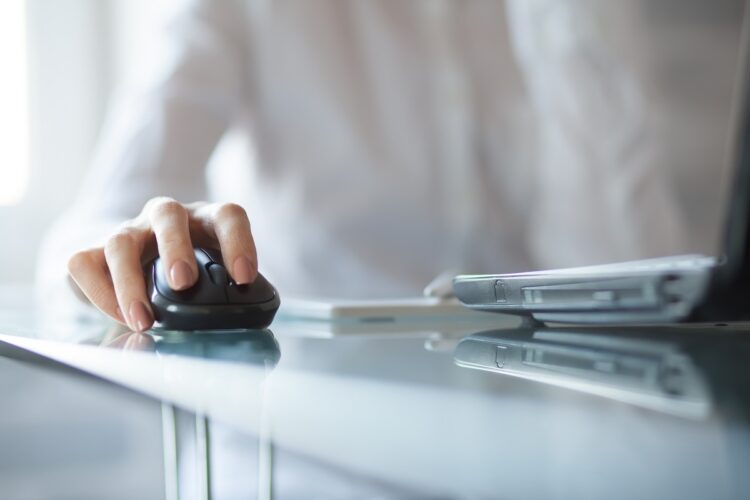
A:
(218, 274)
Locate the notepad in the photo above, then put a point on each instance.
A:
(376, 311)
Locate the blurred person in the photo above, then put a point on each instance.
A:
(391, 140)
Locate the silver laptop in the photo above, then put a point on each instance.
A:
(669, 289)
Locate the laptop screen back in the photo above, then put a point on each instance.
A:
(736, 272)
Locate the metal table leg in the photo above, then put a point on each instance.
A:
(170, 451)
(203, 455)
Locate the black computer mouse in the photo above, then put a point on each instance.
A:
(215, 302)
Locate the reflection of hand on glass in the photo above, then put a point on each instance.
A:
(131, 341)
(111, 276)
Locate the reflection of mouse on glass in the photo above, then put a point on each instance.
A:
(251, 347)
(215, 302)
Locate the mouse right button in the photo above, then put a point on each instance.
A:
(258, 291)
(218, 275)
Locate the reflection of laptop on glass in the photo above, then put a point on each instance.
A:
(684, 288)
(607, 361)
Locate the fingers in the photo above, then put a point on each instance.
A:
(112, 277)
(170, 223)
(123, 255)
(230, 224)
(89, 271)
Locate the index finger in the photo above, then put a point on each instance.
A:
(169, 222)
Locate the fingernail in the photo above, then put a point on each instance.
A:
(181, 275)
(242, 270)
(140, 317)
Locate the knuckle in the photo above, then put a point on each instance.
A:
(228, 212)
(167, 208)
(195, 206)
(121, 239)
(151, 203)
(79, 261)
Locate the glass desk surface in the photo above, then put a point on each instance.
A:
(450, 409)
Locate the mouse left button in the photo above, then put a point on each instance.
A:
(203, 292)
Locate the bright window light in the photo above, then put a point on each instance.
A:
(14, 106)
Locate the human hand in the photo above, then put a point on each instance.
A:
(111, 276)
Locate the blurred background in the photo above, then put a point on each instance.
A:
(64, 62)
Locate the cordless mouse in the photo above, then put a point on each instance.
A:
(215, 302)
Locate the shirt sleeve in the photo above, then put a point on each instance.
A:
(601, 194)
(157, 140)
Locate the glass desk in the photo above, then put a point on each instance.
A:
(446, 409)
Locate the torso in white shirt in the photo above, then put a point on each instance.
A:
(393, 140)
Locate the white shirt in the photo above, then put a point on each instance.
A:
(391, 140)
